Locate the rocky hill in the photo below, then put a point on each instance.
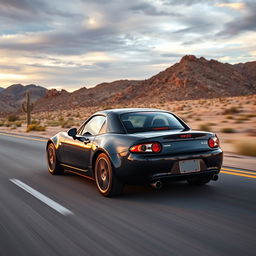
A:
(102, 94)
(191, 78)
(1, 89)
(12, 97)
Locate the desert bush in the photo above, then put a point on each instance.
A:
(211, 124)
(228, 130)
(198, 119)
(53, 123)
(12, 118)
(77, 115)
(205, 127)
(35, 122)
(7, 124)
(1, 123)
(251, 115)
(18, 123)
(202, 102)
(230, 117)
(244, 147)
(243, 118)
(231, 110)
(67, 124)
(36, 127)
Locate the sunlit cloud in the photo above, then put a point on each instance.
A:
(12, 76)
(235, 6)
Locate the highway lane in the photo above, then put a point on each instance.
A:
(217, 219)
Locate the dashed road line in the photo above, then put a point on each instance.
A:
(56, 206)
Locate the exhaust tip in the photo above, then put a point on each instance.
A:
(157, 184)
(215, 177)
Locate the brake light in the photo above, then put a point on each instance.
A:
(213, 142)
(161, 128)
(186, 136)
(152, 147)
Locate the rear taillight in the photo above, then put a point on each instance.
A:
(213, 142)
(152, 147)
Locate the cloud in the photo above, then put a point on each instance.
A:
(235, 6)
(33, 8)
(91, 41)
(188, 2)
(246, 21)
(150, 9)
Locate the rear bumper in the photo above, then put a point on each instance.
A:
(168, 177)
(135, 168)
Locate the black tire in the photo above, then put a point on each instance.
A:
(199, 181)
(107, 182)
(52, 161)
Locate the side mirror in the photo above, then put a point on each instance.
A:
(72, 132)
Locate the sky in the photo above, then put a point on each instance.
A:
(72, 44)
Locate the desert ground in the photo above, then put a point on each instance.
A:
(232, 118)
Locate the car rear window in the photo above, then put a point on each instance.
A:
(150, 121)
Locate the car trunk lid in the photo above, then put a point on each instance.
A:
(176, 142)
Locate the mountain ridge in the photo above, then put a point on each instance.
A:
(190, 78)
(12, 97)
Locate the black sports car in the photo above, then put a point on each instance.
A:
(135, 145)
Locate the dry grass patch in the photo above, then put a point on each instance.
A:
(228, 130)
(205, 127)
(245, 147)
(36, 127)
(231, 110)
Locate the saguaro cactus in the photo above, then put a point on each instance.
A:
(27, 107)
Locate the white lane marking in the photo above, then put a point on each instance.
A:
(57, 207)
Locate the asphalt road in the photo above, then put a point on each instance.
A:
(217, 219)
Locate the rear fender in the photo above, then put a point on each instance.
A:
(114, 158)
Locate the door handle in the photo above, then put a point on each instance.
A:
(86, 141)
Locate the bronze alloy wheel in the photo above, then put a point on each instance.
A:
(51, 158)
(53, 165)
(103, 174)
(107, 182)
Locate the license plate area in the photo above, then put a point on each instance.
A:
(188, 166)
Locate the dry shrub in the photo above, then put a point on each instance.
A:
(231, 110)
(67, 123)
(228, 130)
(18, 123)
(12, 118)
(205, 127)
(53, 123)
(245, 147)
(242, 118)
(36, 127)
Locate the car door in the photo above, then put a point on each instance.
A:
(77, 150)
